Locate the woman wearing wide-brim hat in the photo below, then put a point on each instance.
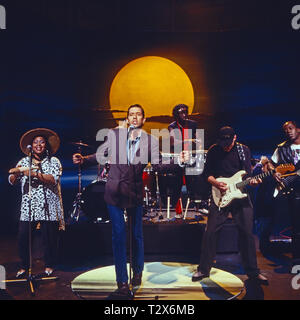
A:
(46, 208)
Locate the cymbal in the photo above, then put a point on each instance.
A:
(169, 154)
(185, 141)
(80, 144)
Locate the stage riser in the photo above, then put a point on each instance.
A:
(88, 240)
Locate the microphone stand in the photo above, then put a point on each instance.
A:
(78, 201)
(130, 217)
(31, 279)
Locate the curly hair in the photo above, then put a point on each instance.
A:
(177, 107)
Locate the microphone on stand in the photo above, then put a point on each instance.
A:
(29, 148)
(47, 154)
(131, 127)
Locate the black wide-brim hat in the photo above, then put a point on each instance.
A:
(51, 136)
(225, 137)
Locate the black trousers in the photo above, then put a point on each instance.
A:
(49, 233)
(294, 208)
(242, 213)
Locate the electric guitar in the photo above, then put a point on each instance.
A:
(236, 185)
(287, 180)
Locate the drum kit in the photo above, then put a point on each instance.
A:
(89, 201)
(159, 191)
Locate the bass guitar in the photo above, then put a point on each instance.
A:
(285, 186)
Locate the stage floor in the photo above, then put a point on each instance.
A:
(275, 266)
(161, 281)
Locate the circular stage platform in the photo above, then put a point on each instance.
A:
(161, 281)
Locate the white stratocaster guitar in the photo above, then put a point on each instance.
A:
(236, 185)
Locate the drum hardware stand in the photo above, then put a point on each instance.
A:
(158, 198)
(76, 207)
(31, 279)
(168, 207)
(78, 201)
(146, 197)
(196, 208)
(180, 200)
(151, 205)
(186, 207)
(201, 213)
(148, 205)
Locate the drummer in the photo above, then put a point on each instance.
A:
(183, 133)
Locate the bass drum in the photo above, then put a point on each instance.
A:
(93, 204)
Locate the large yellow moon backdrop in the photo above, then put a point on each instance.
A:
(156, 83)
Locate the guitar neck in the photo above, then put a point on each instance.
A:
(262, 176)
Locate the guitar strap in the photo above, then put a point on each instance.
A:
(241, 154)
(242, 158)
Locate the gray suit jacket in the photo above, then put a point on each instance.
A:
(124, 187)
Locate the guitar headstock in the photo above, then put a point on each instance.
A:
(283, 168)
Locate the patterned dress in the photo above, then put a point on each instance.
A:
(46, 201)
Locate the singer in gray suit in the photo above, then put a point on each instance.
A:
(128, 150)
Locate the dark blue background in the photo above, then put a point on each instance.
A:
(56, 70)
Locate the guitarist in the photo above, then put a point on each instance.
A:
(225, 158)
(289, 152)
